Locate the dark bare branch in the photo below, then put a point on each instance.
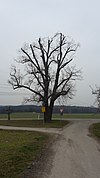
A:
(65, 81)
(65, 64)
(47, 74)
(42, 51)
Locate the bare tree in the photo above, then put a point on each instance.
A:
(97, 93)
(47, 72)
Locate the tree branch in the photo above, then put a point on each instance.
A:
(28, 88)
(42, 51)
(65, 80)
(65, 64)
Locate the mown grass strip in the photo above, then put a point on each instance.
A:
(18, 149)
(34, 123)
(95, 129)
(32, 116)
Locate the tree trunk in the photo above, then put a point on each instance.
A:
(8, 116)
(48, 114)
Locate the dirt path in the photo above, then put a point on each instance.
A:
(77, 155)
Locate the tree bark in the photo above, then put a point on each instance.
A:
(48, 114)
(8, 116)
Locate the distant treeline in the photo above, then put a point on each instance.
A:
(34, 108)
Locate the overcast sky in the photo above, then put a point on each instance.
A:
(25, 20)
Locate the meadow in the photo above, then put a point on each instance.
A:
(19, 150)
(95, 130)
(39, 116)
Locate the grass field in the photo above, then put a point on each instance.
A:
(21, 115)
(34, 123)
(30, 115)
(18, 149)
(78, 116)
(95, 129)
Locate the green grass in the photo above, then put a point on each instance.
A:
(31, 116)
(21, 115)
(34, 123)
(78, 116)
(18, 149)
(95, 129)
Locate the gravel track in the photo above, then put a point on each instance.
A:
(77, 154)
